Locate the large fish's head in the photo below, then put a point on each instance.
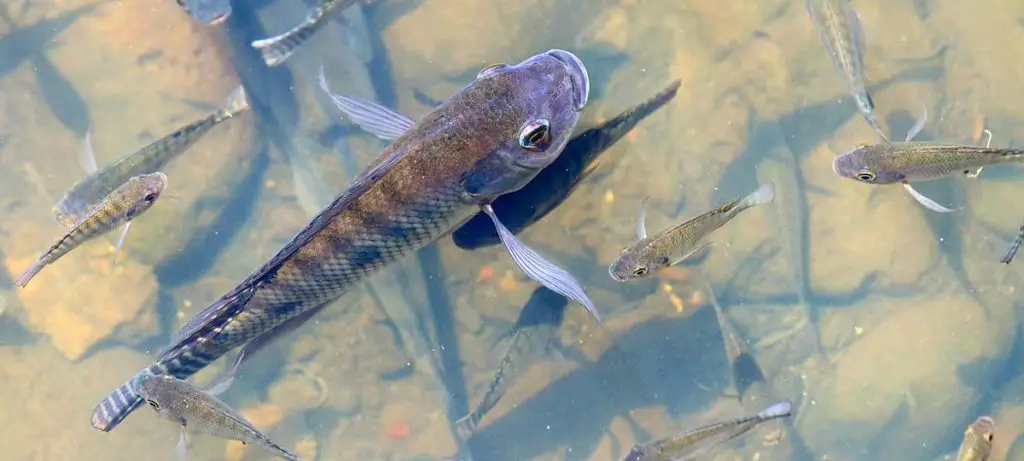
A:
(144, 191)
(867, 164)
(529, 111)
(637, 262)
(977, 443)
(209, 12)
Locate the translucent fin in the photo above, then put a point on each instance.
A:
(29, 274)
(918, 125)
(120, 241)
(537, 268)
(779, 410)
(373, 118)
(927, 202)
(641, 220)
(465, 427)
(762, 196)
(236, 102)
(182, 449)
(86, 156)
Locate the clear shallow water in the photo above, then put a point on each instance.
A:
(916, 317)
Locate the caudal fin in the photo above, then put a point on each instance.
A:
(465, 427)
(29, 274)
(116, 407)
(236, 102)
(278, 49)
(763, 195)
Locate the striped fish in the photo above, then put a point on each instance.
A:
(480, 144)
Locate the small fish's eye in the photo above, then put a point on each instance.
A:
(149, 197)
(490, 69)
(535, 135)
(866, 176)
(152, 403)
(640, 271)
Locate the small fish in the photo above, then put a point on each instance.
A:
(678, 243)
(389, 125)
(977, 443)
(906, 162)
(277, 49)
(99, 183)
(488, 139)
(122, 206)
(532, 335)
(185, 404)
(698, 442)
(209, 12)
(557, 182)
(840, 31)
(1014, 247)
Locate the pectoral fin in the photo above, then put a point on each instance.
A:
(373, 118)
(537, 268)
(86, 156)
(923, 200)
(120, 241)
(182, 449)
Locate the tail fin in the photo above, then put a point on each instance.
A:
(276, 50)
(465, 427)
(763, 195)
(116, 407)
(236, 103)
(30, 273)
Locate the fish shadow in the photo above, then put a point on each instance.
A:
(660, 361)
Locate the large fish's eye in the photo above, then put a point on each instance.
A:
(152, 403)
(490, 70)
(640, 271)
(149, 198)
(865, 176)
(988, 437)
(535, 136)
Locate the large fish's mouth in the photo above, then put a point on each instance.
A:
(578, 73)
(835, 165)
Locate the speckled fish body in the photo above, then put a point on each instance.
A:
(699, 441)
(189, 406)
(840, 32)
(897, 162)
(84, 195)
(428, 181)
(553, 186)
(123, 204)
(676, 243)
(977, 443)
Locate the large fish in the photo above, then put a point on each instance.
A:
(840, 31)
(490, 138)
(85, 194)
(557, 182)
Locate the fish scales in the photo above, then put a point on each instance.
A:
(832, 16)
(399, 205)
(919, 161)
(150, 159)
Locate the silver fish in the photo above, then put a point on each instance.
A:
(123, 205)
(489, 139)
(840, 31)
(84, 195)
(679, 242)
(189, 406)
(698, 442)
